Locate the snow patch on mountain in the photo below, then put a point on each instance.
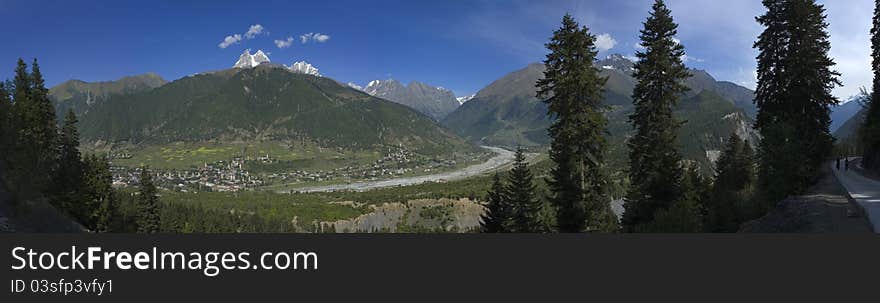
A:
(246, 60)
(303, 67)
(355, 86)
(463, 99)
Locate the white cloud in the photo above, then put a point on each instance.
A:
(284, 43)
(318, 37)
(230, 40)
(253, 31)
(605, 42)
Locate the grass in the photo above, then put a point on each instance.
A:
(189, 155)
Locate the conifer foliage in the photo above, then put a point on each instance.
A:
(732, 201)
(521, 193)
(42, 163)
(34, 133)
(572, 90)
(870, 131)
(513, 206)
(499, 213)
(68, 176)
(102, 203)
(793, 97)
(655, 171)
(148, 218)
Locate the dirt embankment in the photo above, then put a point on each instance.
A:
(824, 208)
(425, 215)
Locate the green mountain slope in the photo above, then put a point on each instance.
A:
(81, 96)
(264, 103)
(507, 112)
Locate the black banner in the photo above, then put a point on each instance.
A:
(454, 268)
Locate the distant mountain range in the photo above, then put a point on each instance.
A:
(842, 113)
(436, 102)
(266, 102)
(507, 112)
(260, 100)
(80, 96)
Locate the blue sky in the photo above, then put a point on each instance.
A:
(461, 45)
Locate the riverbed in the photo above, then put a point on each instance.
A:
(502, 157)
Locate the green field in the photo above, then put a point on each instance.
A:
(190, 155)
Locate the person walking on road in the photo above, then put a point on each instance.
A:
(838, 163)
(846, 164)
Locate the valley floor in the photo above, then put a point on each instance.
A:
(503, 157)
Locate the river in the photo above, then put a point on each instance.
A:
(502, 157)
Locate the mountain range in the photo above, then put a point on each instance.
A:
(259, 100)
(843, 112)
(266, 102)
(80, 96)
(436, 102)
(508, 113)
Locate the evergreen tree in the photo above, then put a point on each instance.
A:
(731, 202)
(870, 130)
(148, 214)
(35, 132)
(793, 97)
(572, 90)
(521, 194)
(685, 215)
(102, 205)
(655, 172)
(5, 132)
(498, 216)
(68, 177)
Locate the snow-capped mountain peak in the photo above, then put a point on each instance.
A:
(260, 57)
(303, 67)
(616, 62)
(463, 99)
(382, 87)
(246, 60)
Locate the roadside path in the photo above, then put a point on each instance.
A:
(863, 190)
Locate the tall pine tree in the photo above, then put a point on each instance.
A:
(67, 193)
(793, 97)
(148, 204)
(101, 204)
(498, 216)
(870, 130)
(35, 132)
(655, 171)
(572, 90)
(521, 193)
